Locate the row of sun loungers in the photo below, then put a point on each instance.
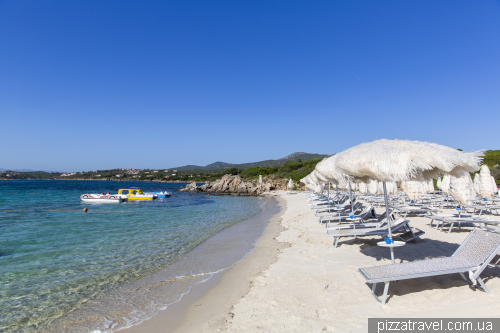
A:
(476, 252)
(473, 256)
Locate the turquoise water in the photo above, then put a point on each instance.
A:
(56, 260)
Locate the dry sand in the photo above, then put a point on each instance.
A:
(313, 287)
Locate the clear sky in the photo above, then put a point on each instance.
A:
(88, 85)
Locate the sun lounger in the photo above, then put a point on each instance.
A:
(415, 210)
(400, 225)
(367, 212)
(338, 210)
(475, 253)
(334, 206)
(452, 220)
(482, 208)
(378, 223)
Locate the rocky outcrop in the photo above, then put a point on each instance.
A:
(234, 184)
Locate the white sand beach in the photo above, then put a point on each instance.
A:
(309, 286)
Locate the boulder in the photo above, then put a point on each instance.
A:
(233, 184)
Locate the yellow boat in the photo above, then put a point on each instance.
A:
(134, 194)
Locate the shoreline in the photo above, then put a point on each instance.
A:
(208, 305)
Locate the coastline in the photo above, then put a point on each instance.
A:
(304, 284)
(208, 306)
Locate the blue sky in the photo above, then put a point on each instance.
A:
(90, 85)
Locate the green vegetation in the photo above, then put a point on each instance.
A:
(295, 169)
(290, 169)
(29, 175)
(492, 160)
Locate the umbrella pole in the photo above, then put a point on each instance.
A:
(387, 212)
(352, 204)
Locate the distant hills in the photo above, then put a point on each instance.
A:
(223, 165)
(26, 170)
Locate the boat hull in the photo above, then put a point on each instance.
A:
(102, 200)
(139, 198)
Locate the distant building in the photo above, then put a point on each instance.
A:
(155, 171)
(149, 175)
(68, 174)
(119, 175)
(175, 170)
(167, 176)
(166, 170)
(173, 174)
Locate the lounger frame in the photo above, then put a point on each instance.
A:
(475, 271)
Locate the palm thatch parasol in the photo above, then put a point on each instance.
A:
(414, 189)
(462, 189)
(495, 186)
(403, 160)
(328, 170)
(290, 184)
(392, 188)
(373, 186)
(362, 188)
(486, 186)
(439, 183)
(445, 184)
(477, 184)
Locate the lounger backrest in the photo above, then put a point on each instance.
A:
(397, 222)
(478, 246)
(365, 210)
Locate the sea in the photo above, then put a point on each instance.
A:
(118, 264)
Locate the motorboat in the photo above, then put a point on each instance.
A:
(104, 198)
(134, 194)
(163, 194)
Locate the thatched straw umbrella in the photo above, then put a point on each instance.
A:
(431, 186)
(445, 184)
(439, 183)
(495, 186)
(362, 188)
(462, 189)
(425, 187)
(486, 187)
(477, 184)
(402, 160)
(414, 189)
(373, 186)
(290, 184)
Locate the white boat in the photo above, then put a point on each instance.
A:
(103, 197)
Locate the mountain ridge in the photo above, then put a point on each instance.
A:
(223, 165)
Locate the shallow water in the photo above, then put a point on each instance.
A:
(65, 270)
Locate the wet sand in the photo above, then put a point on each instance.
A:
(297, 282)
(208, 306)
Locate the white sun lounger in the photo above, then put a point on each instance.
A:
(339, 211)
(475, 253)
(400, 225)
(378, 223)
(452, 220)
(415, 210)
(367, 212)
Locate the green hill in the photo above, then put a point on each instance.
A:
(223, 165)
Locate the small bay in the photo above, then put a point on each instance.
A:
(56, 260)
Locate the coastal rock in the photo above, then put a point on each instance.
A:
(233, 184)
